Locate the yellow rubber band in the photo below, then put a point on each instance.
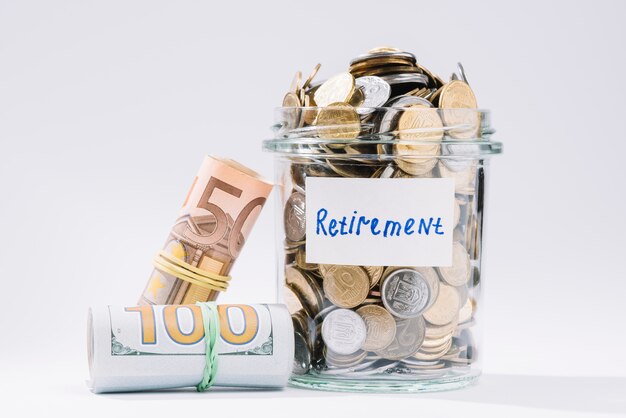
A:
(187, 273)
(187, 266)
(172, 271)
(184, 275)
(171, 265)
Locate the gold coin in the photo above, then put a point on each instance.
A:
(409, 170)
(302, 96)
(419, 123)
(306, 289)
(295, 83)
(388, 69)
(434, 344)
(422, 92)
(381, 327)
(445, 308)
(426, 356)
(374, 272)
(338, 88)
(460, 114)
(291, 300)
(422, 123)
(459, 272)
(311, 77)
(346, 286)
(438, 331)
(380, 49)
(357, 98)
(416, 166)
(437, 80)
(301, 260)
(291, 100)
(379, 62)
(292, 111)
(338, 121)
(457, 94)
(309, 113)
(434, 98)
(324, 269)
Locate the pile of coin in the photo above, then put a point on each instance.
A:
(387, 116)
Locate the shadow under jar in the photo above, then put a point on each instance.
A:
(380, 225)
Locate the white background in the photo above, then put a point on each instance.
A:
(107, 109)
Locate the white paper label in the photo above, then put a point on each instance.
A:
(379, 222)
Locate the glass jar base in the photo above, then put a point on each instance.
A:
(384, 385)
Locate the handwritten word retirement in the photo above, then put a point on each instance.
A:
(356, 225)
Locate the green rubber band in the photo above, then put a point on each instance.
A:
(210, 320)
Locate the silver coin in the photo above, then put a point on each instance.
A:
(424, 363)
(406, 293)
(376, 92)
(344, 370)
(384, 369)
(458, 163)
(343, 331)
(431, 276)
(295, 220)
(339, 360)
(387, 172)
(462, 73)
(322, 314)
(302, 355)
(406, 78)
(409, 338)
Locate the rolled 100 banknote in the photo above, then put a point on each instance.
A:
(162, 347)
(214, 222)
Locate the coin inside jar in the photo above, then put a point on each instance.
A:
(305, 289)
(418, 122)
(459, 272)
(346, 286)
(381, 327)
(405, 293)
(302, 355)
(343, 331)
(408, 340)
(376, 92)
(338, 121)
(294, 216)
(445, 308)
(386, 117)
(459, 114)
(374, 272)
(338, 88)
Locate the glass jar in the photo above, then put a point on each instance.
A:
(379, 235)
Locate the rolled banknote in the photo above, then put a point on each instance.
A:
(160, 347)
(213, 224)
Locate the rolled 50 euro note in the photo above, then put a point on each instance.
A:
(213, 224)
(163, 346)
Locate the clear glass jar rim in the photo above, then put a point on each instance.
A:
(305, 141)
